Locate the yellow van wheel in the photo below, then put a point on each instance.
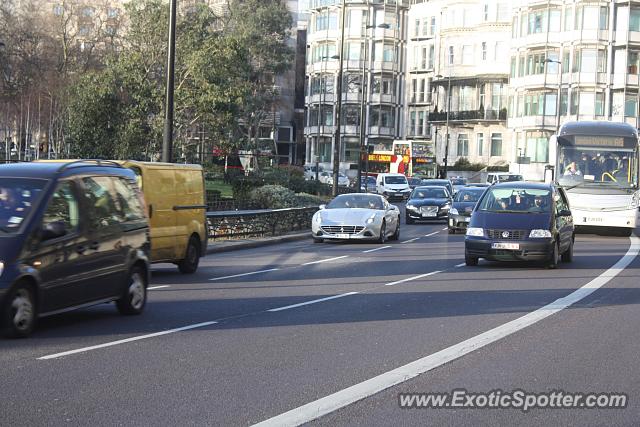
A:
(191, 260)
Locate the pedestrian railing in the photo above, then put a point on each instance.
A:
(258, 223)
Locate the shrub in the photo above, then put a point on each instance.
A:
(308, 200)
(272, 197)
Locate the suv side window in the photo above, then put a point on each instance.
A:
(105, 208)
(63, 208)
(127, 200)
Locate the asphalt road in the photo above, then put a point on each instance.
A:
(245, 355)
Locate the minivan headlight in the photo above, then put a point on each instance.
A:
(475, 231)
(539, 234)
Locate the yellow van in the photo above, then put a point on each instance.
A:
(176, 205)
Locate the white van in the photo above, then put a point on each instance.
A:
(495, 177)
(393, 186)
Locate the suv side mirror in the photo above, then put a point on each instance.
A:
(564, 212)
(53, 230)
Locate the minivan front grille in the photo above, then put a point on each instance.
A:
(342, 229)
(506, 234)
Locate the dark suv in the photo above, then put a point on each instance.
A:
(72, 234)
(521, 221)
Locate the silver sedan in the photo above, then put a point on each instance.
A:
(356, 216)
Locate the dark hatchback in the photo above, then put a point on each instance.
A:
(72, 234)
(428, 203)
(439, 182)
(463, 203)
(521, 221)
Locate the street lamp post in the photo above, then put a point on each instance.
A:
(336, 143)
(446, 136)
(364, 84)
(167, 142)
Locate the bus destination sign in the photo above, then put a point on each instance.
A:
(599, 141)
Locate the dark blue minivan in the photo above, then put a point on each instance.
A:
(521, 221)
(72, 234)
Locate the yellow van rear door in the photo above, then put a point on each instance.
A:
(158, 188)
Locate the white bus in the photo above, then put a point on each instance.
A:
(597, 165)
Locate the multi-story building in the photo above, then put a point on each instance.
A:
(372, 78)
(457, 78)
(586, 52)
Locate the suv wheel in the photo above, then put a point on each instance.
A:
(191, 259)
(134, 295)
(19, 312)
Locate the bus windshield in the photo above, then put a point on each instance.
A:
(590, 166)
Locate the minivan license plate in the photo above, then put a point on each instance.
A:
(515, 246)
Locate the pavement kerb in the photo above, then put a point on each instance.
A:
(235, 245)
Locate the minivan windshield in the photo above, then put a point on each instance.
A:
(17, 197)
(516, 200)
(395, 180)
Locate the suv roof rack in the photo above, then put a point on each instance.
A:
(98, 162)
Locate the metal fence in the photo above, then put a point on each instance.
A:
(258, 223)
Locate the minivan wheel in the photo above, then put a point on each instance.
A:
(470, 260)
(134, 295)
(191, 260)
(19, 313)
(553, 261)
(567, 256)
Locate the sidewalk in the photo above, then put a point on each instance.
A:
(222, 245)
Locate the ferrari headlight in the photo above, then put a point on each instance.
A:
(475, 231)
(453, 211)
(539, 234)
(371, 219)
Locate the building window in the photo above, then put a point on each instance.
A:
(599, 104)
(485, 12)
(480, 144)
(634, 19)
(416, 29)
(630, 104)
(537, 147)
(424, 57)
(112, 12)
(412, 123)
(496, 144)
(431, 56)
(382, 116)
(351, 148)
(450, 55)
(484, 51)
(87, 12)
(352, 115)
(421, 116)
(432, 31)
(463, 144)
(467, 55)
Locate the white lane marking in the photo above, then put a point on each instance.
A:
(431, 234)
(409, 279)
(376, 249)
(460, 265)
(445, 229)
(245, 274)
(112, 343)
(316, 409)
(325, 260)
(312, 302)
(410, 240)
(153, 288)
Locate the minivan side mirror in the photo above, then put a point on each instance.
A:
(564, 212)
(53, 230)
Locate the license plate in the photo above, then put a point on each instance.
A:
(342, 236)
(428, 214)
(515, 246)
(399, 195)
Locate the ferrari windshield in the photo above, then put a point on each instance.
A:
(598, 167)
(351, 201)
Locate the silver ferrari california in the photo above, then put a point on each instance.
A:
(356, 216)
